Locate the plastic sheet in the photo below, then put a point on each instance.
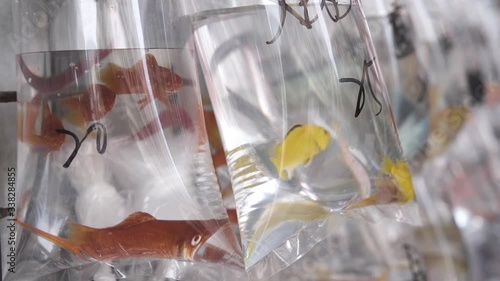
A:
(273, 88)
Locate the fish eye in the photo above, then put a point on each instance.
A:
(387, 176)
(196, 240)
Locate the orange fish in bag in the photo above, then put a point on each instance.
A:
(144, 77)
(139, 235)
(147, 203)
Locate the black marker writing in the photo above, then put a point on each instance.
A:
(361, 94)
(101, 133)
(418, 273)
(305, 21)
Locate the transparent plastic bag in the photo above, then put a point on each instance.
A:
(379, 18)
(299, 85)
(350, 252)
(391, 30)
(115, 174)
(219, 159)
(433, 251)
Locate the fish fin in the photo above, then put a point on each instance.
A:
(281, 212)
(144, 102)
(135, 218)
(67, 244)
(293, 128)
(34, 140)
(372, 200)
(75, 117)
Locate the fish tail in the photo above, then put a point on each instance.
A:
(282, 212)
(64, 243)
(34, 140)
(372, 200)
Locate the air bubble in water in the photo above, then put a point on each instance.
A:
(29, 80)
(72, 64)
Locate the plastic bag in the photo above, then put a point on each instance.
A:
(298, 84)
(219, 159)
(113, 161)
(378, 16)
(406, 81)
(433, 251)
(350, 252)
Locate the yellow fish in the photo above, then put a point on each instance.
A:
(282, 212)
(301, 144)
(394, 184)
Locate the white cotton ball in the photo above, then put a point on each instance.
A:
(100, 205)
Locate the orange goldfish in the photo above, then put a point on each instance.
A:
(139, 235)
(91, 105)
(143, 77)
(48, 138)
